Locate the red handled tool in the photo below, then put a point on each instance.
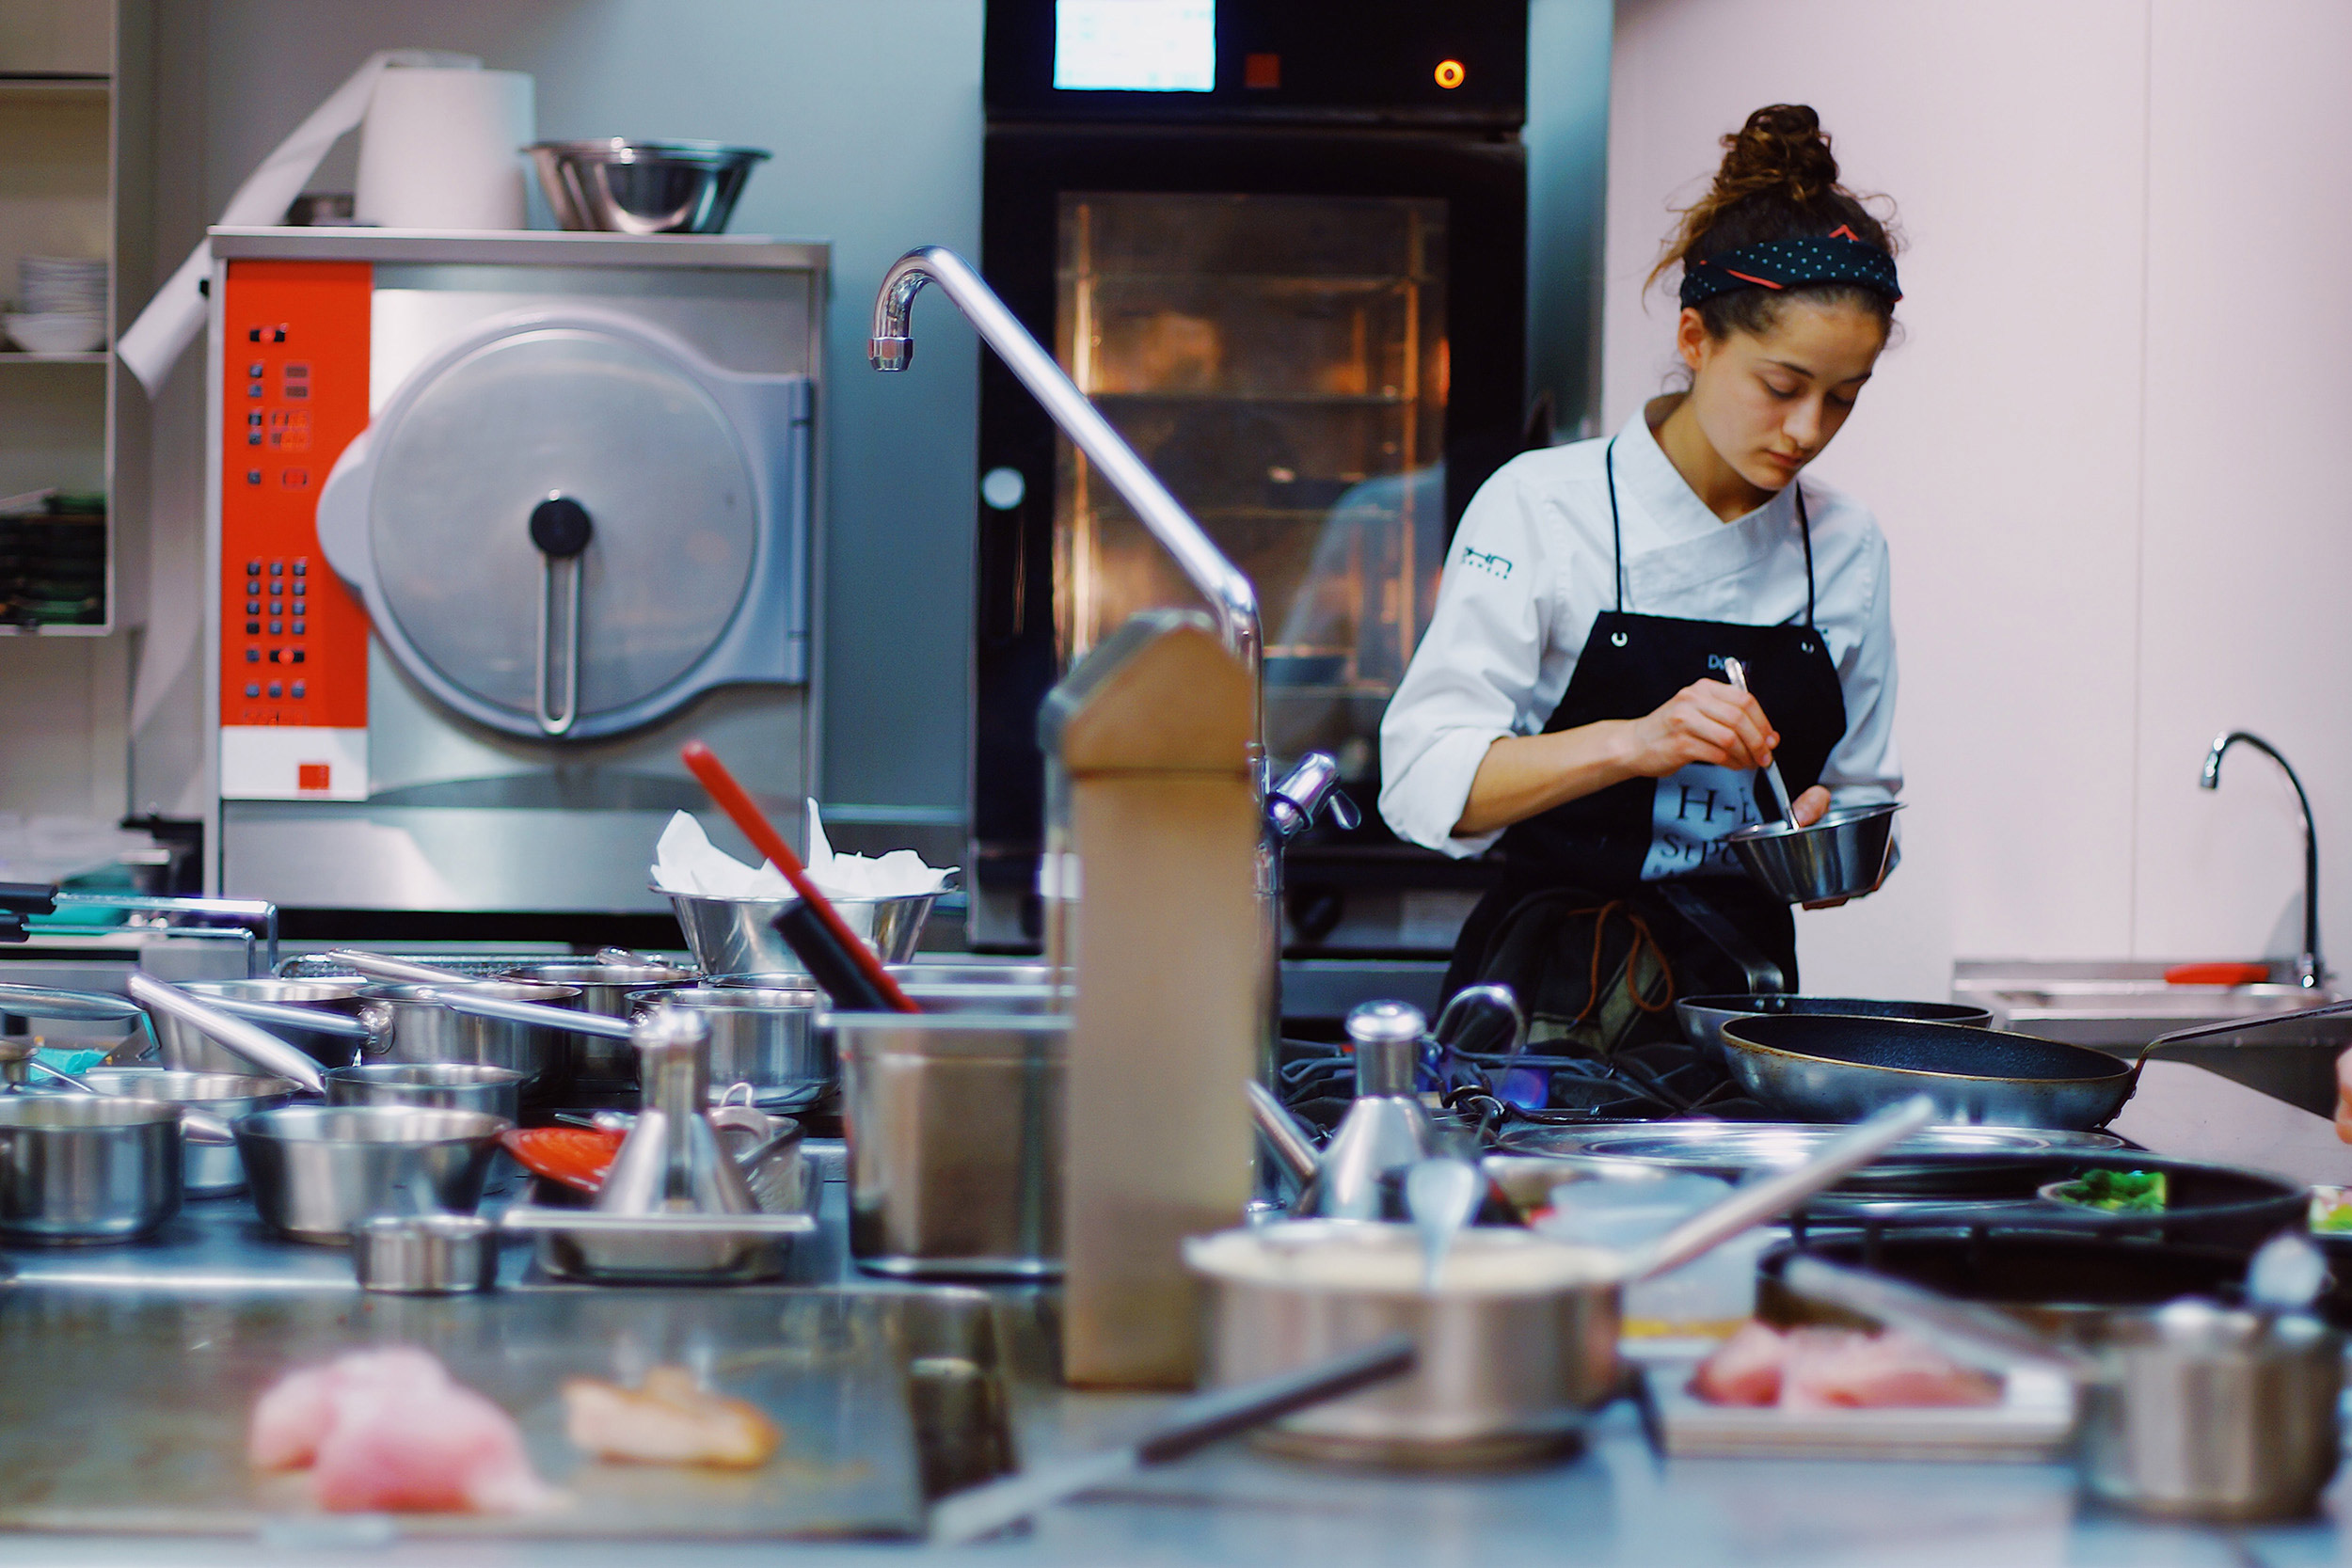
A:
(847, 969)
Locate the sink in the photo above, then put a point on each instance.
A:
(2120, 1007)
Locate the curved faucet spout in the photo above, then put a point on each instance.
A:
(2310, 971)
(891, 347)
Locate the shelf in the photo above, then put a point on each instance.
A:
(25, 356)
(34, 85)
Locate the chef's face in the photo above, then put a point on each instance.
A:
(1769, 403)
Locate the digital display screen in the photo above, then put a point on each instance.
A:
(1135, 45)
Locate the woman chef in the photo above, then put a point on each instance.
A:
(1570, 701)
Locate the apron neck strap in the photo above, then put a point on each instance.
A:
(1616, 536)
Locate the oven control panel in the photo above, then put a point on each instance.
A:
(294, 642)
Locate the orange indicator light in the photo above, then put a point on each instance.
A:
(1450, 74)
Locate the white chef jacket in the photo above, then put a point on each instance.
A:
(1530, 569)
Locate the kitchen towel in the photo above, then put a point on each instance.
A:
(173, 318)
(444, 149)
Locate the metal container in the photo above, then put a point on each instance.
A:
(763, 1037)
(495, 1091)
(189, 1050)
(597, 1064)
(207, 1169)
(1505, 1375)
(419, 1029)
(1843, 855)
(78, 1168)
(425, 1255)
(318, 1170)
(619, 186)
(955, 1131)
(737, 936)
(2205, 1413)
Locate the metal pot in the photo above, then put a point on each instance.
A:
(418, 1028)
(77, 1169)
(598, 1065)
(318, 1170)
(339, 1041)
(764, 1037)
(207, 1169)
(495, 1091)
(425, 1255)
(1843, 855)
(955, 1131)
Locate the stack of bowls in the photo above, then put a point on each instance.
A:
(64, 305)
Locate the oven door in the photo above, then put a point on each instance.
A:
(1315, 339)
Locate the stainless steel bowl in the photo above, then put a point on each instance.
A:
(1843, 855)
(622, 186)
(83, 1168)
(419, 1029)
(318, 1170)
(765, 1037)
(597, 1064)
(737, 936)
(184, 1048)
(425, 1255)
(495, 1091)
(207, 1169)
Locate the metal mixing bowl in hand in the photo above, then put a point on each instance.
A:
(1843, 855)
(617, 185)
(737, 936)
(318, 1170)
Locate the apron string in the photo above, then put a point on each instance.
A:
(1805, 532)
(1616, 537)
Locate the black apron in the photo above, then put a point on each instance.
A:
(1611, 905)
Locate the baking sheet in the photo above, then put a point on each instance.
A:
(2033, 1422)
(126, 1413)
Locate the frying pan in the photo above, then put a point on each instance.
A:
(1843, 1069)
(1701, 1016)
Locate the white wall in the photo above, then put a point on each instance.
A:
(2101, 453)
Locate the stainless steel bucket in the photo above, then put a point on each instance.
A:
(207, 1169)
(955, 1132)
(765, 1037)
(419, 1029)
(78, 1168)
(186, 1048)
(597, 1064)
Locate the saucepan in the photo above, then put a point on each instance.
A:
(319, 1018)
(209, 1163)
(598, 1063)
(1839, 1068)
(2190, 1410)
(1518, 1338)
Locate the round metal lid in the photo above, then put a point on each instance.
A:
(604, 422)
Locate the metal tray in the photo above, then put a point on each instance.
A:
(2033, 1422)
(678, 1249)
(1929, 1161)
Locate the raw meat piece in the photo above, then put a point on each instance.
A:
(389, 1429)
(1833, 1368)
(1746, 1369)
(293, 1417)
(667, 1420)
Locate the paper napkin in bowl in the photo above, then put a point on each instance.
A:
(685, 861)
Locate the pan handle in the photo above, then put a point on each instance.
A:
(1977, 1335)
(377, 966)
(1764, 977)
(458, 1000)
(2236, 1026)
(256, 1044)
(1281, 1134)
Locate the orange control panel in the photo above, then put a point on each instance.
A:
(294, 644)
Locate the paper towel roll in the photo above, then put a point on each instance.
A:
(443, 150)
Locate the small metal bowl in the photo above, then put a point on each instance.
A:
(437, 1085)
(618, 185)
(425, 1255)
(1843, 855)
(737, 936)
(318, 1170)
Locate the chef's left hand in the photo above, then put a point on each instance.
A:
(1807, 809)
(2344, 1097)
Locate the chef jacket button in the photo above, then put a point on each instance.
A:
(1616, 640)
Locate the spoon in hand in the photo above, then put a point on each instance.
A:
(1739, 673)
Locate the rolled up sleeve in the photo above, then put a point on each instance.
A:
(1471, 680)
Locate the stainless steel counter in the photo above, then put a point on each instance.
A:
(1611, 1505)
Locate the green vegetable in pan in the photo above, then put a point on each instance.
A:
(2118, 1191)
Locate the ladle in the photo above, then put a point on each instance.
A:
(1739, 675)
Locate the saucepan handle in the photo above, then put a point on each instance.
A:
(458, 1000)
(256, 1044)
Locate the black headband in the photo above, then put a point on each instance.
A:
(1776, 265)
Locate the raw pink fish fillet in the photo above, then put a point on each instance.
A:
(390, 1430)
(1831, 1368)
(1746, 1370)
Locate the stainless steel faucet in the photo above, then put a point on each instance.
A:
(2310, 971)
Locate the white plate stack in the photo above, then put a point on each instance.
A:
(64, 300)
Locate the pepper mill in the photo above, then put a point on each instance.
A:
(673, 1160)
(1387, 1128)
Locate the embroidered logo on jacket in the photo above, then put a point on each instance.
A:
(1493, 566)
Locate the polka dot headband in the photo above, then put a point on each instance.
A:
(1835, 258)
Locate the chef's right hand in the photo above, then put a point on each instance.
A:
(2344, 1097)
(1705, 722)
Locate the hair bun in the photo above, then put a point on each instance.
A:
(1780, 149)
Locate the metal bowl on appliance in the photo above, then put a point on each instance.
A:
(1843, 855)
(765, 1037)
(419, 1030)
(615, 184)
(737, 936)
(207, 1169)
(189, 1050)
(318, 1170)
(598, 1065)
